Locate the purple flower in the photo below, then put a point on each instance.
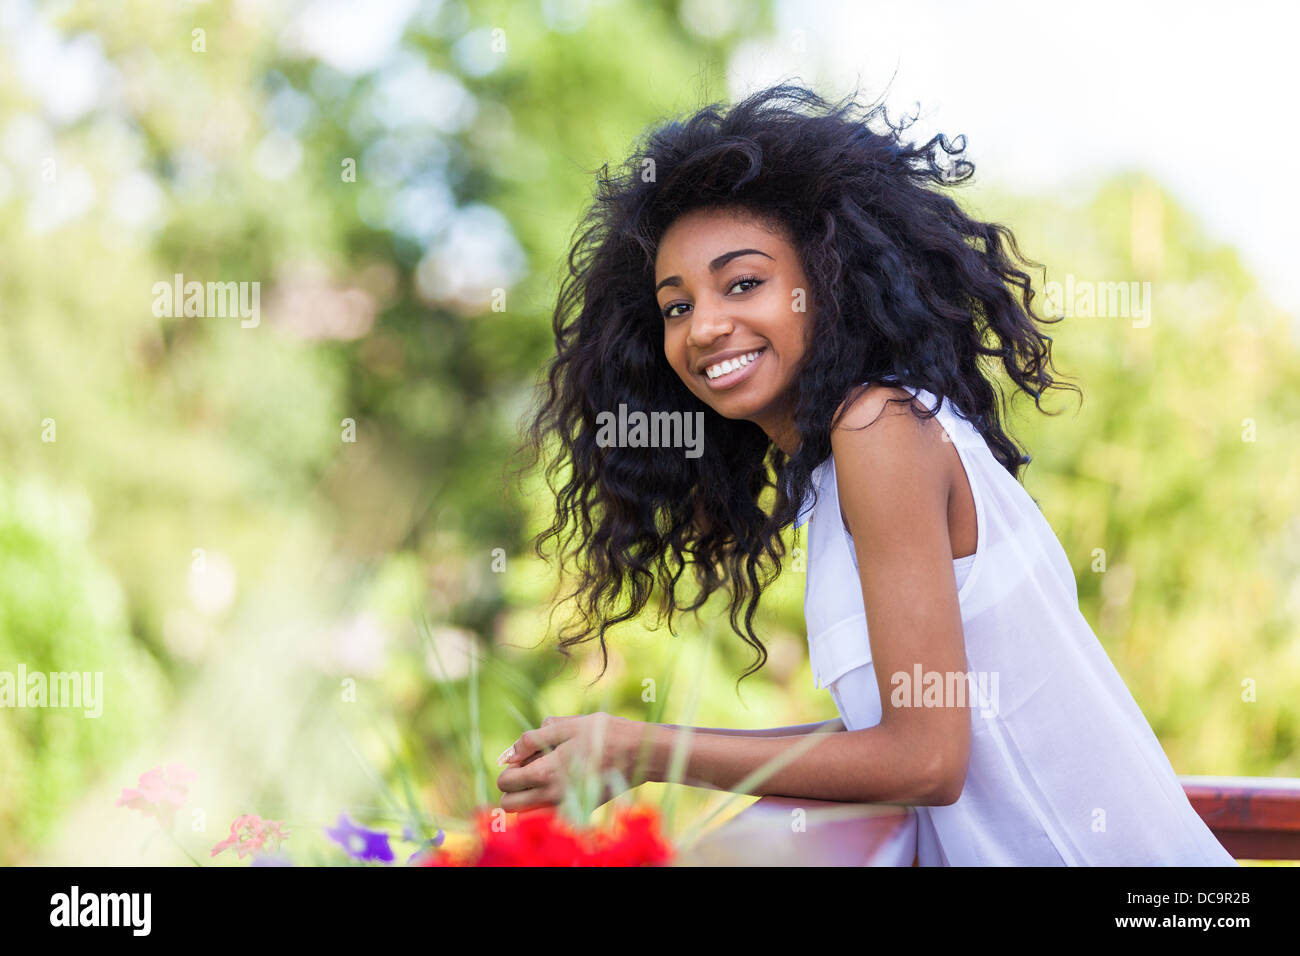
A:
(360, 843)
(424, 847)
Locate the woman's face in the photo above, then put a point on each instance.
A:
(735, 307)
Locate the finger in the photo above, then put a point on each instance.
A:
(556, 720)
(530, 788)
(527, 801)
(519, 752)
(533, 741)
(543, 771)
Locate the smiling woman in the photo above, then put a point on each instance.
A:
(805, 282)
(735, 319)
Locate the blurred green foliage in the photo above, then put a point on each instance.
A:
(60, 611)
(224, 515)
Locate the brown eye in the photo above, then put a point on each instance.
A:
(667, 311)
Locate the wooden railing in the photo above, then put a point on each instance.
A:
(1255, 818)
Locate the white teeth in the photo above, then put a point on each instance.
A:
(730, 365)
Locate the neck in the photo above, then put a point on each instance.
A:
(784, 435)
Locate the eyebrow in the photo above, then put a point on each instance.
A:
(714, 266)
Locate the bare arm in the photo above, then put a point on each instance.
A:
(898, 518)
(825, 726)
(860, 766)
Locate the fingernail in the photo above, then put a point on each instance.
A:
(505, 756)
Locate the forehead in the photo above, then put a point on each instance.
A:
(705, 232)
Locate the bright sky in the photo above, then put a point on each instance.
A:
(1054, 95)
(1051, 96)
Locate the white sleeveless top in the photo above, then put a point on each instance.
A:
(1064, 768)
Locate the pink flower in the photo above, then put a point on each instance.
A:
(160, 793)
(273, 830)
(249, 833)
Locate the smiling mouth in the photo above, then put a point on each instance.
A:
(731, 372)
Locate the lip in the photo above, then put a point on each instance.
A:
(717, 357)
(733, 378)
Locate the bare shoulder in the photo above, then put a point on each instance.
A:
(864, 405)
(878, 433)
(883, 415)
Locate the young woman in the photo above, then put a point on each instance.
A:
(803, 281)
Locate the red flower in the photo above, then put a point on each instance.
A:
(544, 838)
(636, 840)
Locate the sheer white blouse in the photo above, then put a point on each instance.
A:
(1064, 768)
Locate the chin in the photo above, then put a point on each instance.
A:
(738, 407)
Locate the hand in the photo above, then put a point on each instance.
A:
(543, 761)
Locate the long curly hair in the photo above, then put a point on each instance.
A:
(904, 284)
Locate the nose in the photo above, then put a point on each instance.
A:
(708, 324)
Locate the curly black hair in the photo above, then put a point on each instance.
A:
(905, 284)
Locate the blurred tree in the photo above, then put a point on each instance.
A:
(404, 201)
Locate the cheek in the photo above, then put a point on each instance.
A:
(800, 337)
(675, 349)
(787, 334)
